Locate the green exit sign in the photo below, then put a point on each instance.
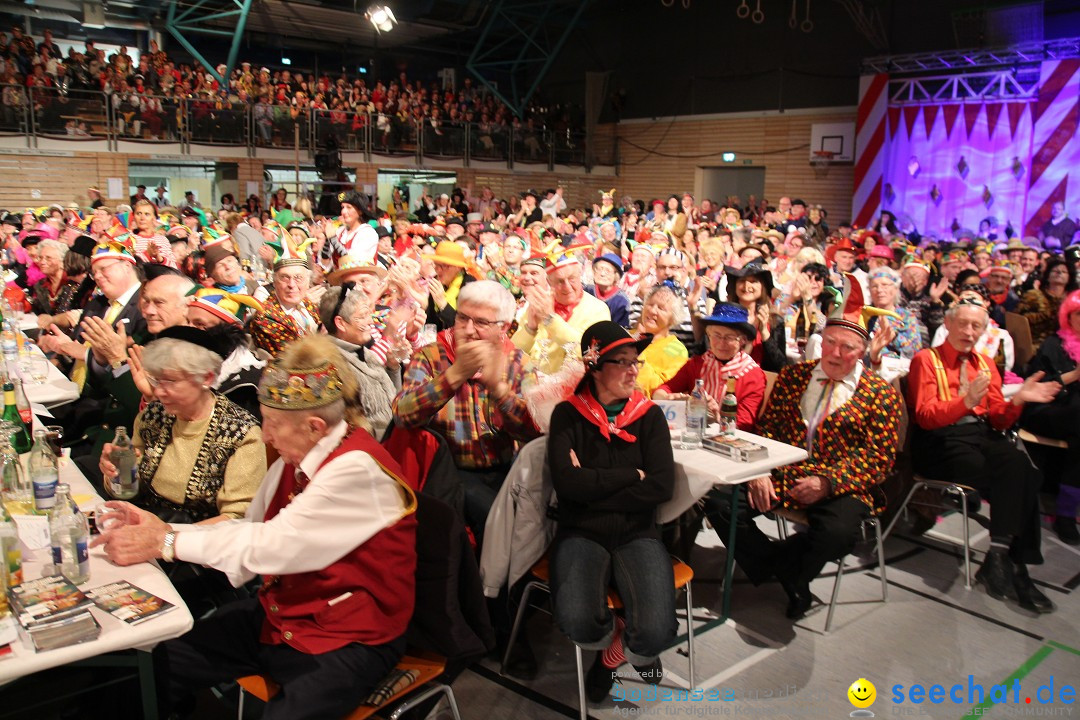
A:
(747, 162)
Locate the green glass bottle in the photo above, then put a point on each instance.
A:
(20, 440)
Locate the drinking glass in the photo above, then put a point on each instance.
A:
(39, 368)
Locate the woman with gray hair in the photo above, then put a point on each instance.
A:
(54, 293)
(201, 457)
(884, 292)
(663, 311)
(346, 314)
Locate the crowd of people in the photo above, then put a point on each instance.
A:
(159, 98)
(490, 324)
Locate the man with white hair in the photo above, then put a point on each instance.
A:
(467, 387)
(959, 414)
(332, 532)
(558, 314)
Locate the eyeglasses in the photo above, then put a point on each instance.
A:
(164, 382)
(845, 348)
(729, 339)
(99, 271)
(296, 280)
(462, 319)
(625, 364)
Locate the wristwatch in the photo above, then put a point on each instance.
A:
(168, 552)
(117, 364)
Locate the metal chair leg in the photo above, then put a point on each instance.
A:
(835, 594)
(526, 593)
(240, 706)
(583, 707)
(881, 559)
(967, 541)
(915, 487)
(415, 700)
(781, 527)
(690, 630)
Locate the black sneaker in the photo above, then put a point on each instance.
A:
(652, 673)
(599, 680)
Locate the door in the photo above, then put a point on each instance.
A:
(720, 182)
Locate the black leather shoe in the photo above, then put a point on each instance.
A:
(997, 575)
(1066, 530)
(1029, 596)
(652, 673)
(599, 680)
(799, 598)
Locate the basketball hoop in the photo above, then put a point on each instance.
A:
(820, 163)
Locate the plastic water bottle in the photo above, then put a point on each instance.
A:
(697, 417)
(729, 410)
(125, 484)
(69, 533)
(9, 342)
(43, 474)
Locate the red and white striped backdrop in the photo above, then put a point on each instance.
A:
(869, 147)
(1055, 146)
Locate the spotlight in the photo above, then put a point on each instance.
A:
(727, 157)
(286, 61)
(382, 17)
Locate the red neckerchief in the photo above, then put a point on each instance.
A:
(591, 409)
(565, 311)
(610, 293)
(1000, 299)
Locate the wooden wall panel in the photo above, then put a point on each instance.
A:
(663, 157)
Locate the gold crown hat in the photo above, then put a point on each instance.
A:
(852, 313)
(299, 388)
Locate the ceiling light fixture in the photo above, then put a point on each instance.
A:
(382, 17)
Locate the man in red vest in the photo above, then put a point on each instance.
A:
(332, 532)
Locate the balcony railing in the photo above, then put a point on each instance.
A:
(48, 112)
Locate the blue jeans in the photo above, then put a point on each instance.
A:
(581, 573)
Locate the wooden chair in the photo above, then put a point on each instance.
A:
(770, 380)
(542, 572)
(1023, 349)
(427, 667)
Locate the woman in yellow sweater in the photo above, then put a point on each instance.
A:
(662, 311)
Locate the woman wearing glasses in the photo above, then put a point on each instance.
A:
(201, 456)
(727, 331)
(609, 451)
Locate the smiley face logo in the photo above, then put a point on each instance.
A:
(862, 693)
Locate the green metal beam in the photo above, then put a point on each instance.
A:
(178, 23)
(515, 49)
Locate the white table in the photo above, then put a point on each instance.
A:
(56, 390)
(115, 634)
(697, 471)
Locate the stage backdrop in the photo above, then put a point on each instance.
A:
(964, 162)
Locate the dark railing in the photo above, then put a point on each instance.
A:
(50, 112)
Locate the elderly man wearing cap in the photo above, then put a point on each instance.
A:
(287, 313)
(556, 315)
(924, 299)
(332, 532)
(847, 418)
(607, 269)
(959, 412)
(467, 386)
(844, 255)
(998, 279)
(222, 264)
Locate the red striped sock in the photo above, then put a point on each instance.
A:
(613, 656)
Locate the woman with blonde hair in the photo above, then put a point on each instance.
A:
(662, 311)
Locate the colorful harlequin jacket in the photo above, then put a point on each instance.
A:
(273, 328)
(855, 446)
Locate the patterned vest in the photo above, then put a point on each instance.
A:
(228, 427)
